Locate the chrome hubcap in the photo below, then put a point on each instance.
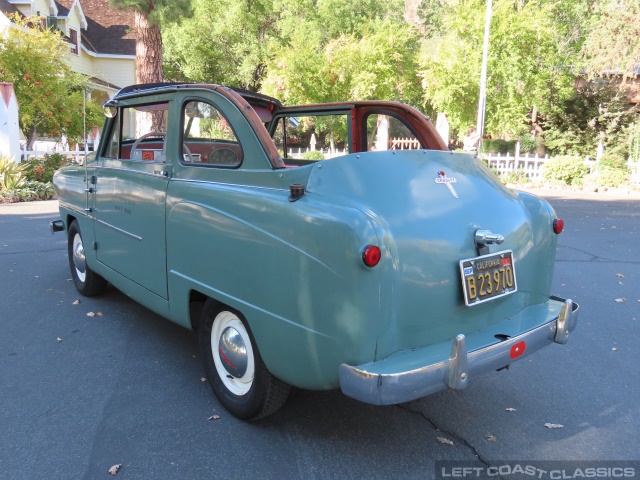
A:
(79, 258)
(233, 352)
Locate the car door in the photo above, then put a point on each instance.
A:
(130, 193)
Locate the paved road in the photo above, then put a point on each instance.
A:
(79, 394)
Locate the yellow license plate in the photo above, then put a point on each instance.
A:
(488, 277)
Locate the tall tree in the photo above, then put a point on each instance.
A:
(613, 43)
(533, 45)
(148, 15)
(332, 50)
(50, 95)
(226, 42)
(377, 62)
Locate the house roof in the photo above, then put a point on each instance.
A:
(108, 29)
(8, 9)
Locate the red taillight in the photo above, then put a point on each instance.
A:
(517, 350)
(371, 255)
(558, 225)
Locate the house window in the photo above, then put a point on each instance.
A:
(73, 40)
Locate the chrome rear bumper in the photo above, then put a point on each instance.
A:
(391, 384)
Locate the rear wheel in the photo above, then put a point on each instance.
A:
(234, 367)
(86, 280)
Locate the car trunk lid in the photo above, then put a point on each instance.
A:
(427, 206)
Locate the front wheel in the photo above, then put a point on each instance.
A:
(86, 280)
(236, 373)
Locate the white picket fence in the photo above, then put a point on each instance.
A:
(78, 154)
(298, 153)
(532, 166)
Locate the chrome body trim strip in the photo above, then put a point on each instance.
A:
(124, 232)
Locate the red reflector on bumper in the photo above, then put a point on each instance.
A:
(517, 350)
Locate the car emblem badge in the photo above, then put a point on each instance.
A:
(442, 178)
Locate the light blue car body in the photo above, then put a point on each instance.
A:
(170, 235)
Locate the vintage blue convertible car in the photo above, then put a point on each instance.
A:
(319, 246)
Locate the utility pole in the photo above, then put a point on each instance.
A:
(482, 103)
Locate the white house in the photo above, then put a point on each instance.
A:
(9, 135)
(101, 42)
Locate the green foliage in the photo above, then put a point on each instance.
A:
(500, 146)
(511, 146)
(596, 112)
(518, 177)
(528, 144)
(611, 171)
(225, 41)
(612, 161)
(606, 176)
(12, 174)
(568, 170)
(28, 191)
(156, 10)
(487, 146)
(313, 155)
(530, 49)
(375, 61)
(42, 170)
(48, 92)
(613, 42)
(634, 141)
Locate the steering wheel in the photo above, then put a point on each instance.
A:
(134, 147)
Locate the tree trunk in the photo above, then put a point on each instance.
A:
(148, 67)
(30, 137)
(148, 50)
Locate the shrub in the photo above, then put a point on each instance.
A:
(313, 155)
(487, 146)
(511, 146)
(528, 144)
(518, 177)
(12, 174)
(612, 161)
(30, 190)
(568, 170)
(607, 176)
(500, 146)
(43, 170)
(611, 171)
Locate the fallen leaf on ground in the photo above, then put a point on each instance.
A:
(510, 409)
(91, 314)
(59, 339)
(77, 302)
(203, 379)
(99, 314)
(213, 417)
(445, 441)
(553, 425)
(614, 349)
(113, 470)
(619, 275)
(490, 437)
(620, 300)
